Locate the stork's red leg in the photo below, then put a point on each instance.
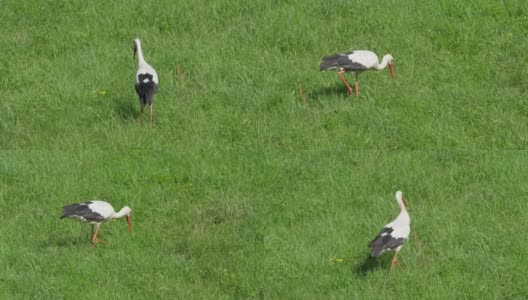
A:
(394, 261)
(397, 262)
(94, 236)
(92, 233)
(357, 86)
(142, 107)
(340, 74)
(150, 114)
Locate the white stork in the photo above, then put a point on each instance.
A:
(393, 235)
(95, 212)
(146, 81)
(356, 62)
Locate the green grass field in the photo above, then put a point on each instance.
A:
(261, 178)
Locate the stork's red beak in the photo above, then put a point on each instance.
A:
(391, 69)
(129, 223)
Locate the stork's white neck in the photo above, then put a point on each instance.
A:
(141, 59)
(384, 62)
(399, 198)
(123, 212)
(404, 217)
(402, 206)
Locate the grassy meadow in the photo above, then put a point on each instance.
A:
(261, 178)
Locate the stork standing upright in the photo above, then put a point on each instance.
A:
(146, 81)
(95, 212)
(393, 235)
(356, 62)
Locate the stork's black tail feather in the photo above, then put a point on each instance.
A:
(333, 62)
(375, 253)
(76, 209)
(341, 61)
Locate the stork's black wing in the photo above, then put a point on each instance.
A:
(81, 210)
(341, 61)
(385, 241)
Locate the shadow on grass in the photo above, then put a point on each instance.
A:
(73, 239)
(335, 90)
(127, 110)
(371, 264)
(64, 242)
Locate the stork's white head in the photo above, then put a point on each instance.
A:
(389, 59)
(400, 199)
(126, 211)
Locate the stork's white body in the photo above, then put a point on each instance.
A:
(367, 59)
(356, 61)
(401, 227)
(146, 81)
(145, 68)
(393, 235)
(95, 212)
(101, 208)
